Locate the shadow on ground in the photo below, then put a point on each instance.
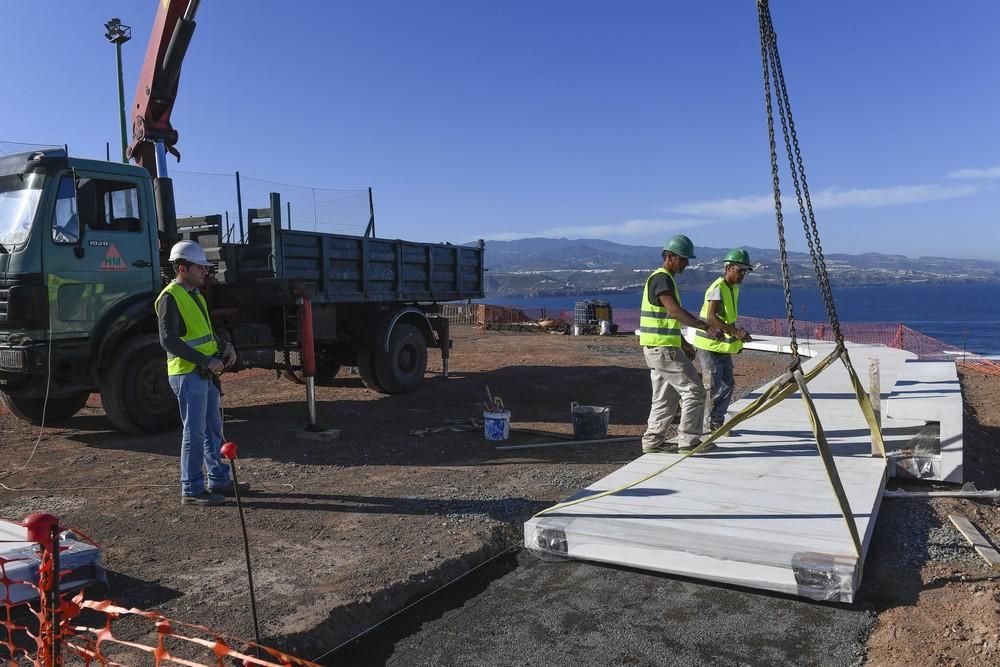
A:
(376, 431)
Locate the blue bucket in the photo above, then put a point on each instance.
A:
(496, 424)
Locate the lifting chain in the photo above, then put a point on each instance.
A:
(795, 380)
(771, 63)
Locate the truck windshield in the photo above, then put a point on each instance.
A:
(19, 195)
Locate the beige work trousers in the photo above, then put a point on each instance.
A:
(675, 381)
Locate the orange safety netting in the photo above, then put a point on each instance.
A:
(889, 334)
(894, 335)
(50, 629)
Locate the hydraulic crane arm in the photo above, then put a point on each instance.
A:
(157, 88)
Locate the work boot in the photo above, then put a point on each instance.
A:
(230, 490)
(715, 427)
(690, 447)
(203, 499)
(663, 447)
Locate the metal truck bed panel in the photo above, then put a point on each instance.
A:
(357, 269)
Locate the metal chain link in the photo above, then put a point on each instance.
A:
(786, 279)
(797, 167)
(771, 61)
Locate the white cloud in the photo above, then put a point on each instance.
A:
(630, 228)
(713, 211)
(976, 174)
(745, 207)
(741, 207)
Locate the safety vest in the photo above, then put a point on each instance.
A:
(656, 327)
(198, 330)
(725, 312)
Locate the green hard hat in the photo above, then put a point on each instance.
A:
(738, 256)
(680, 245)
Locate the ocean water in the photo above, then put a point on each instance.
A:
(966, 316)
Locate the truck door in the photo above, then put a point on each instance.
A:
(100, 255)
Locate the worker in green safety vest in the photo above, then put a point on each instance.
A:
(668, 356)
(194, 358)
(721, 308)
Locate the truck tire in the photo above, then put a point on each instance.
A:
(401, 369)
(136, 394)
(366, 369)
(58, 409)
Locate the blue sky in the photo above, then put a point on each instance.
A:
(628, 121)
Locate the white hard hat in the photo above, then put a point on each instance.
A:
(189, 251)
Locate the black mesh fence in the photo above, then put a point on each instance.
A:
(330, 210)
(13, 147)
(335, 211)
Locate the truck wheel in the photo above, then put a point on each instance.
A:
(136, 395)
(366, 369)
(58, 409)
(401, 369)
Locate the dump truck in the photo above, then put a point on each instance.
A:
(83, 255)
(81, 265)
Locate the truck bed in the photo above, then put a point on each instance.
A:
(343, 268)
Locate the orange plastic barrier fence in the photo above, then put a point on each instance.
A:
(52, 629)
(895, 335)
(889, 334)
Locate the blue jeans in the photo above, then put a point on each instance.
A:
(720, 365)
(201, 441)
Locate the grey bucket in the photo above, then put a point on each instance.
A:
(590, 422)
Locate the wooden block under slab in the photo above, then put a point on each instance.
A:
(976, 539)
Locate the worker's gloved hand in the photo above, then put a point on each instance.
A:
(215, 365)
(716, 333)
(743, 335)
(229, 355)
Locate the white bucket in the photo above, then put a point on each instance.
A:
(605, 328)
(496, 425)
(577, 330)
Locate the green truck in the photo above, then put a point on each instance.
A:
(81, 262)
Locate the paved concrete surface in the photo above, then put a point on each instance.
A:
(522, 611)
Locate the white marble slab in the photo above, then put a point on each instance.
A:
(927, 391)
(79, 561)
(759, 511)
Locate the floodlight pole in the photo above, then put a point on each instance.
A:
(118, 33)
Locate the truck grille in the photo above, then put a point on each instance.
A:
(13, 360)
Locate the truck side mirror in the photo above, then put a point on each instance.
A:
(86, 208)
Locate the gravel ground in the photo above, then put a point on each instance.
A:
(572, 613)
(346, 534)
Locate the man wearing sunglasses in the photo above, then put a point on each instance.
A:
(720, 309)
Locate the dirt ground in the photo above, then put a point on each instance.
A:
(345, 533)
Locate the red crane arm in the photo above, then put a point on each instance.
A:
(157, 88)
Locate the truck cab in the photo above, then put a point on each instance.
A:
(79, 266)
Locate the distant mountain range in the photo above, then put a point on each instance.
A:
(542, 267)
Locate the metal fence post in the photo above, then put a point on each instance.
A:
(239, 204)
(43, 529)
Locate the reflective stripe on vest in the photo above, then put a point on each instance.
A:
(198, 330)
(656, 327)
(727, 312)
